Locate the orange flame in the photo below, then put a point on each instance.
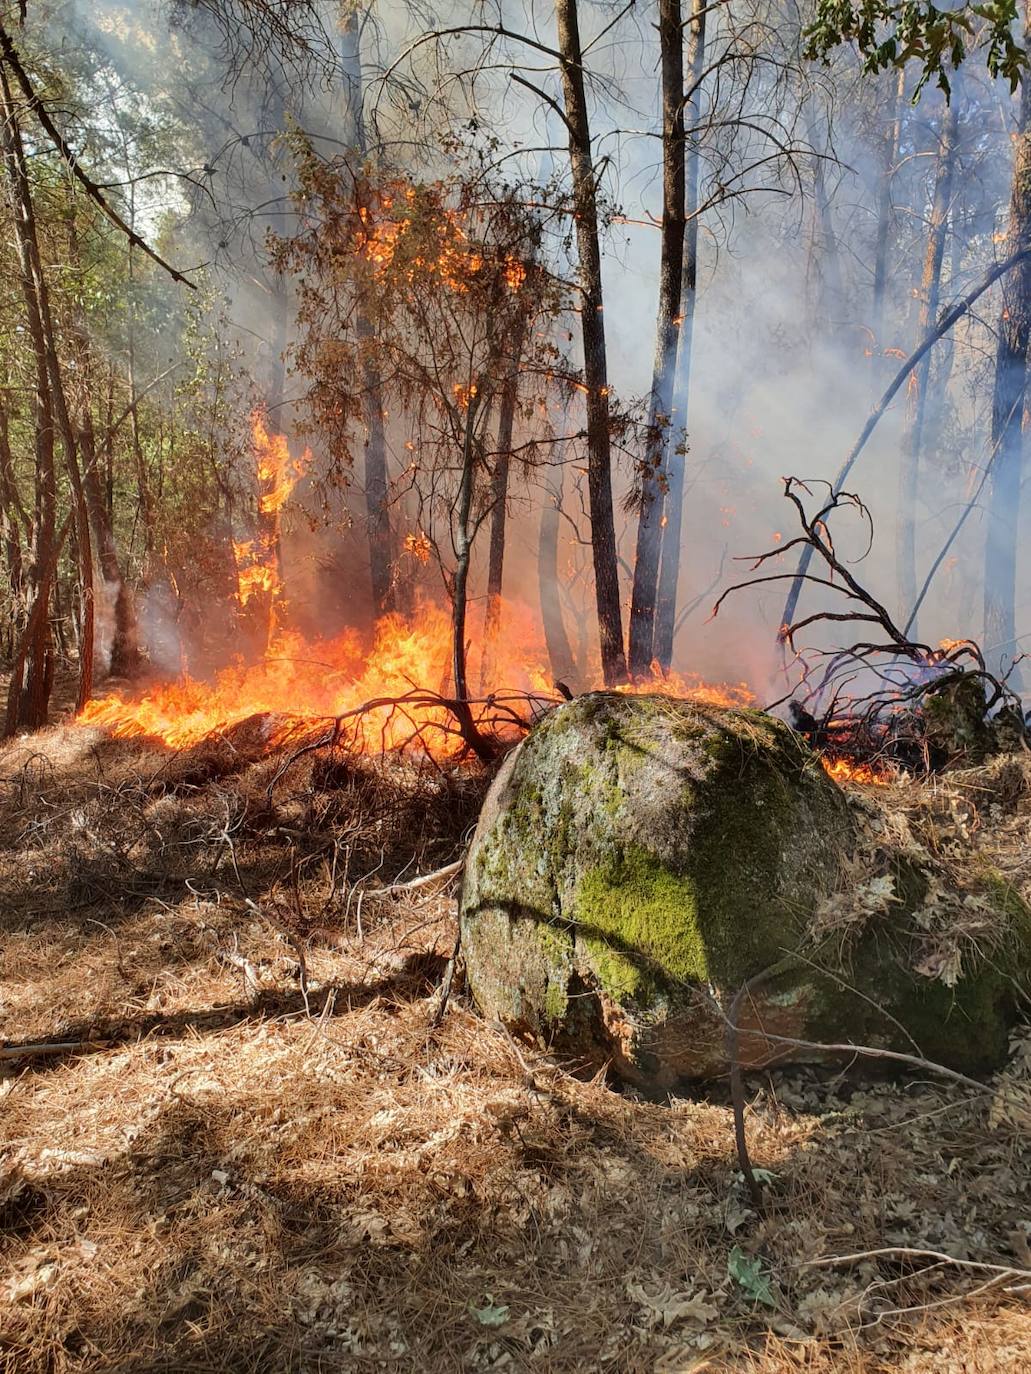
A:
(303, 685)
(848, 770)
(277, 471)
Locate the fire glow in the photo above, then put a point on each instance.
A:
(386, 690)
(304, 685)
(849, 770)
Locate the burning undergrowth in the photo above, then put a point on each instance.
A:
(942, 869)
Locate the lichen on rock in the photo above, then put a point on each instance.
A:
(635, 853)
(640, 858)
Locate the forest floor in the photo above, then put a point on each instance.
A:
(262, 1155)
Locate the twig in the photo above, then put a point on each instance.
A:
(737, 1091)
(295, 942)
(448, 871)
(908, 1251)
(869, 1051)
(251, 981)
(447, 983)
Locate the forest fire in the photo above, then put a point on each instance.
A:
(387, 690)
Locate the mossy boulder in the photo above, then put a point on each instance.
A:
(640, 858)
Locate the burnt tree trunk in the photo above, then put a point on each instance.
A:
(376, 476)
(669, 569)
(599, 438)
(667, 334)
(462, 536)
(1000, 564)
(498, 526)
(930, 295)
(560, 653)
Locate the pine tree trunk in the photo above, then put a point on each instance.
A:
(669, 569)
(930, 295)
(32, 671)
(13, 520)
(1004, 481)
(376, 475)
(560, 654)
(667, 334)
(498, 527)
(599, 455)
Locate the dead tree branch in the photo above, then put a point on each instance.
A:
(943, 326)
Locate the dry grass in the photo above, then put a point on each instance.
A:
(228, 1180)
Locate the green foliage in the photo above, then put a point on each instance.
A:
(750, 1276)
(890, 34)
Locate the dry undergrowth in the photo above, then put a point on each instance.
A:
(267, 1158)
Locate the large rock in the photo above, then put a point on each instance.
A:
(639, 859)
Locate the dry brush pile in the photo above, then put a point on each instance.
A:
(263, 1154)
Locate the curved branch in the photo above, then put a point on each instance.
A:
(912, 362)
(10, 56)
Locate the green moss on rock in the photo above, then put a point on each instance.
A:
(637, 854)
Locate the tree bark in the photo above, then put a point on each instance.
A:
(498, 526)
(660, 404)
(560, 654)
(12, 520)
(1000, 563)
(930, 295)
(669, 570)
(29, 691)
(376, 476)
(599, 446)
(41, 329)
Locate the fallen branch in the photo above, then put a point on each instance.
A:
(48, 1047)
(413, 884)
(913, 1061)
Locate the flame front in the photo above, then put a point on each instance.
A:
(303, 685)
(380, 688)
